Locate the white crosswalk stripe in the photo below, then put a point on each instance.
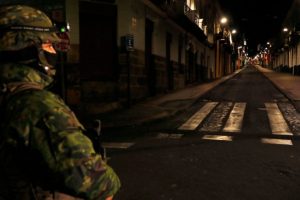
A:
(198, 117)
(217, 137)
(277, 141)
(291, 115)
(233, 124)
(215, 115)
(215, 120)
(212, 117)
(235, 120)
(228, 117)
(277, 121)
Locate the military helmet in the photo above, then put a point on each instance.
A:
(22, 26)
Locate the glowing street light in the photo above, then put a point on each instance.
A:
(223, 20)
(233, 31)
(285, 29)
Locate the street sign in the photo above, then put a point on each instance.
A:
(129, 42)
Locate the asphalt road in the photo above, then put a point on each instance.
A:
(239, 141)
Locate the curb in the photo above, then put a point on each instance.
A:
(167, 114)
(294, 102)
(226, 78)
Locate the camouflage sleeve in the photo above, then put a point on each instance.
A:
(70, 155)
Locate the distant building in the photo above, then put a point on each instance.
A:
(285, 51)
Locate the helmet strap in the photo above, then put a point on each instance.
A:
(47, 61)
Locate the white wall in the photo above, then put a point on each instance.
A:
(131, 20)
(124, 15)
(72, 16)
(132, 15)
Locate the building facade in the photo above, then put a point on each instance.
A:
(130, 50)
(285, 52)
(124, 51)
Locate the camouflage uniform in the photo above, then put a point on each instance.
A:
(42, 145)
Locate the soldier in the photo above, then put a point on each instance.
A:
(43, 151)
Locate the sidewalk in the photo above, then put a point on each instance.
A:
(159, 107)
(288, 84)
(170, 104)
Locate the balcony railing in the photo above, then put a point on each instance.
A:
(193, 15)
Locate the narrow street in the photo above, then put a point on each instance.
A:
(174, 99)
(239, 141)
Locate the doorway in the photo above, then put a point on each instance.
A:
(169, 65)
(149, 58)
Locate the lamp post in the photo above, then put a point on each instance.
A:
(234, 50)
(286, 44)
(221, 58)
(223, 22)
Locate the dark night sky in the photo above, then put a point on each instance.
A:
(259, 20)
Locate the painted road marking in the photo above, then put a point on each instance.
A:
(263, 140)
(277, 122)
(235, 120)
(291, 115)
(276, 141)
(193, 122)
(216, 119)
(217, 137)
(117, 145)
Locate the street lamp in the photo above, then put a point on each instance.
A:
(286, 46)
(232, 33)
(223, 20)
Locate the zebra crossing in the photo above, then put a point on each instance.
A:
(235, 120)
(222, 121)
(215, 120)
(276, 119)
(229, 117)
(198, 117)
